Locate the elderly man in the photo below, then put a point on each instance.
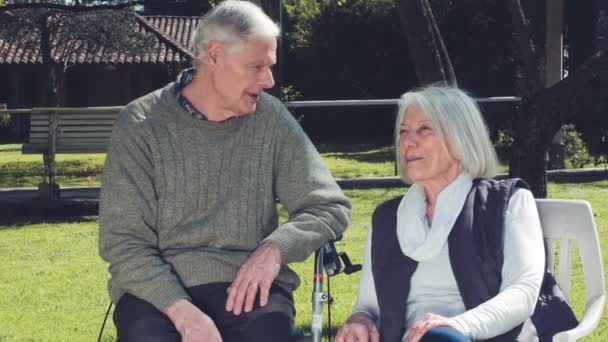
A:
(188, 217)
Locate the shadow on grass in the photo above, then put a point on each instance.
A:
(376, 194)
(71, 167)
(349, 148)
(587, 178)
(601, 186)
(369, 153)
(16, 215)
(21, 221)
(380, 156)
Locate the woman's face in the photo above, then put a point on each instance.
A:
(425, 159)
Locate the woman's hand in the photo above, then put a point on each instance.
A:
(359, 327)
(426, 323)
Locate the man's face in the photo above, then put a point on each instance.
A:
(241, 76)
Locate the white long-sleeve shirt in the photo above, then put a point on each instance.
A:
(433, 288)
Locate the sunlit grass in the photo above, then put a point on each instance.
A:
(53, 283)
(344, 161)
(27, 170)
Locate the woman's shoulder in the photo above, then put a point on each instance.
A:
(509, 185)
(387, 207)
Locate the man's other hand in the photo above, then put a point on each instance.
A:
(191, 323)
(257, 273)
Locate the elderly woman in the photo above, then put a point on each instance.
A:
(460, 256)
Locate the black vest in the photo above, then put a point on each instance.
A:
(476, 255)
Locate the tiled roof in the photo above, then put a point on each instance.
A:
(180, 29)
(172, 45)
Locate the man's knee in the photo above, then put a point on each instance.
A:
(138, 320)
(275, 321)
(268, 327)
(144, 330)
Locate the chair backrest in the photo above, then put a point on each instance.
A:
(567, 221)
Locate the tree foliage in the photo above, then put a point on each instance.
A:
(302, 17)
(576, 152)
(345, 49)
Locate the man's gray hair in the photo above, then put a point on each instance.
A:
(456, 118)
(233, 23)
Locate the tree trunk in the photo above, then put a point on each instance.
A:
(46, 189)
(578, 96)
(544, 111)
(529, 152)
(532, 75)
(48, 63)
(426, 47)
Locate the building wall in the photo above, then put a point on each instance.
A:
(96, 85)
(22, 86)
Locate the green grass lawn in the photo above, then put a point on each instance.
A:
(53, 283)
(26, 170)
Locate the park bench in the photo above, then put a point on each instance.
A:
(67, 130)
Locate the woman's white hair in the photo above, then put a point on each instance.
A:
(233, 23)
(456, 119)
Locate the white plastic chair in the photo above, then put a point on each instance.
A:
(566, 221)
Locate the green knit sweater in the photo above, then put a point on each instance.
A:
(185, 201)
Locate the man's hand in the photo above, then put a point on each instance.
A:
(191, 323)
(257, 273)
(426, 323)
(358, 327)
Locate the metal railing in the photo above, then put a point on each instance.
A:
(383, 102)
(290, 104)
(15, 111)
(66, 110)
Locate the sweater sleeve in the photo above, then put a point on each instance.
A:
(367, 301)
(128, 239)
(522, 273)
(318, 210)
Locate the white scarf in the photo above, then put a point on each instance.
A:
(419, 241)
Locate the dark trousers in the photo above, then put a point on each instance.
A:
(138, 320)
(444, 334)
